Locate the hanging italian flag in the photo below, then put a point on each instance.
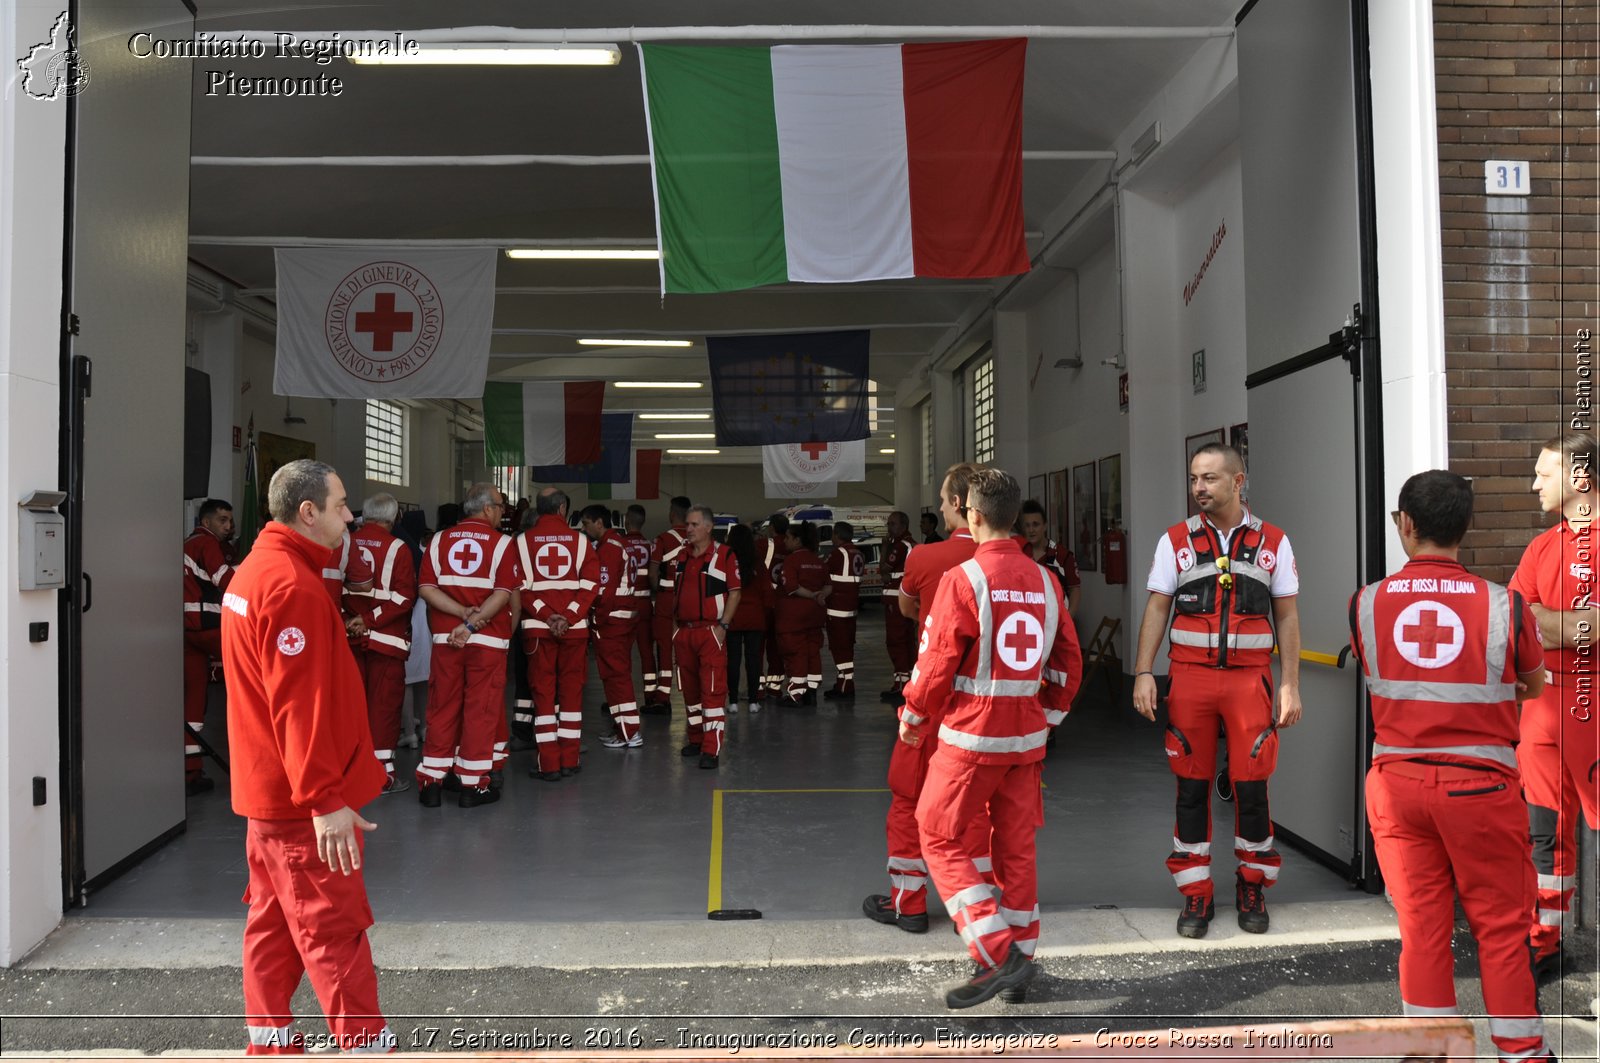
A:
(554, 422)
(829, 163)
(644, 481)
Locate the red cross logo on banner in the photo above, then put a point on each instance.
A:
(553, 560)
(1429, 634)
(1020, 642)
(814, 450)
(465, 557)
(383, 321)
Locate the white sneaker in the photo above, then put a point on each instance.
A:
(733, 708)
(618, 742)
(755, 707)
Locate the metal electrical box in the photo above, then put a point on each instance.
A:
(42, 541)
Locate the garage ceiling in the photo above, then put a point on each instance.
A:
(1079, 95)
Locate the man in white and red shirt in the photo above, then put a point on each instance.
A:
(639, 559)
(380, 625)
(906, 903)
(899, 633)
(616, 615)
(1560, 750)
(845, 569)
(1233, 580)
(559, 578)
(997, 668)
(206, 573)
(469, 573)
(1038, 545)
(302, 766)
(663, 557)
(706, 581)
(1445, 654)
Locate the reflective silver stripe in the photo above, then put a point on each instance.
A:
(1184, 637)
(1521, 1027)
(1191, 874)
(1459, 693)
(1557, 882)
(987, 744)
(1553, 917)
(900, 863)
(479, 639)
(890, 592)
(396, 641)
(907, 716)
(997, 688)
(1414, 1010)
(1269, 872)
(1245, 570)
(211, 607)
(191, 607)
(1198, 573)
(1249, 846)
(1499, 635)
(1492, 691)
(333, 573)
(835, 577)
(980, 591)
(1499, 754)
(971, 895)
(473, 765)
(1020, 916)
(477, 582)
(1053, 717)
(272, 1036)
(1198, 848)
(1054, 676)
(842, 614)
(1540, 1051)
(195, 570)
(908, 883)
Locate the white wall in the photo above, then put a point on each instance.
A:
(32, 168)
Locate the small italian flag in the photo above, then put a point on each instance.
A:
(553, 422)
(831, 163)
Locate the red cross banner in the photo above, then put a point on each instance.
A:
(384, 323)
(814, 462)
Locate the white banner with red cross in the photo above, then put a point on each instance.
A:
(382, 323)
(812, 463)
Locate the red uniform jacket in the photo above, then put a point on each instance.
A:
(206, 574)
(1557, 572)
(667, 547)
(615, 606)
(560, 575)
(1442, 649)
(1061, 561)
(927, 565)
(895, 554)
(756, 597)
(702, 584)
(639, 556)
(298, 739)
(845, 566)
(997, 631)
(469, 562)
(799, 569)
(344, 565)
(387, 607)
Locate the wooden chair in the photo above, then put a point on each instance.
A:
(1100, 655)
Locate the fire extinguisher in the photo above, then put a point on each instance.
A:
(1114, 555)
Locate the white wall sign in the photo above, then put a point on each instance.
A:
(1505, 177)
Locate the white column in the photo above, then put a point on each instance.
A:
(221, 337)
(32, 180)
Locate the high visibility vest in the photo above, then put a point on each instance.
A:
(1223, 601)
(1438, 648)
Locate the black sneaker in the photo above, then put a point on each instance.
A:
(1547, 965)
(200, 784)
(474, 798)
(452, 782)
(1195, 919)
(1252, 904)
(430, 796)
(708, 760)
(831, 694)
(1015, 973)
(879, 908)
(545, 776)
(690, 750)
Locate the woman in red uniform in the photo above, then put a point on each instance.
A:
(802, 587)
(749, 628)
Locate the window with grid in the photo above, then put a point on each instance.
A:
(983, 412)
(927, 443)
(386, 441)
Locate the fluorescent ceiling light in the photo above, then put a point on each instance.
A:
(657, 384)
(635, 343)
(674, 417)
(686, 435)
(493, 53)
(694, 452)
(885, 450)
(572, 254)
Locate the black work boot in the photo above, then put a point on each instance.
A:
(1015, 973)
(879, 907)
(1195, 918)
(1252, 904)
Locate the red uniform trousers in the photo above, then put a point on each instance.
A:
(773, 680)
(899, 636)
(703, 677)
(1560, 760)
(802, 659)
(842, 645)
(385, 680)
(957, 793)
(908, 872)
(556, 670)
(644, 638)
(306, 919)
(661, 628)
(613, 657)
(200, 648)
(1241, 699)
(1443, 831)
(466, 712)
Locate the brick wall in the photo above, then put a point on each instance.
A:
(1516, 79)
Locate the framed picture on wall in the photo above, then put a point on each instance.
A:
(1085, 522)
(1057, 507)
(1110, 492)
(1190, 445)
(1038, 490)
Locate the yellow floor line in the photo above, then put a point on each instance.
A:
(714, 890)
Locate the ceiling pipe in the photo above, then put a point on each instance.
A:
(635, 34)
(201, 240)
(1089, 155)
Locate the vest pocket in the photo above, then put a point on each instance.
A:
(1176, 736)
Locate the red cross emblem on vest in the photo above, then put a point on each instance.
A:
(552, 560)
(1429, 634)
(1021, 641)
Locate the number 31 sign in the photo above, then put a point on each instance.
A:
(1502, 177)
